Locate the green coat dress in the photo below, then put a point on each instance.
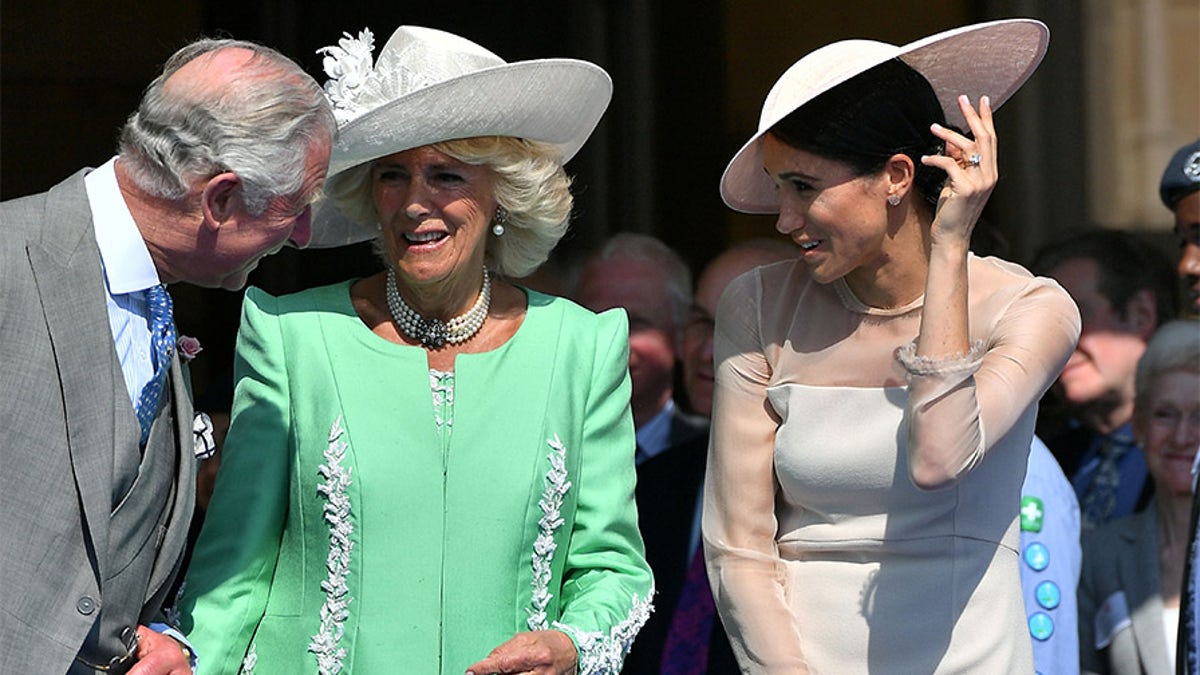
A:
(367, 519)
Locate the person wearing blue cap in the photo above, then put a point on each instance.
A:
(1180, 192)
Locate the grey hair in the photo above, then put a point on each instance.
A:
(529, 182)
(1174, 346)
(260, 124)
(645, 248)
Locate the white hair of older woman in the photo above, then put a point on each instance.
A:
(259, 126)
(530, 183)
(1174, 346)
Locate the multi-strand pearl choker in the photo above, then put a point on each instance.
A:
(435, 333)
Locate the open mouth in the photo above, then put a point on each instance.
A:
(424, 237)
(810, 245)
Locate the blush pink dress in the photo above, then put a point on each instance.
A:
(822, 551)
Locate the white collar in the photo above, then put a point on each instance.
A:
(127, 263)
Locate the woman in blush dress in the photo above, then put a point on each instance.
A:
(875, 399)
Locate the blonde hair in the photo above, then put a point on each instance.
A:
(529, 182)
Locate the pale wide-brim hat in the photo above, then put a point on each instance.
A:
(429, 86)
(987, 59)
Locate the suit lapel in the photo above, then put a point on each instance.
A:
(66, 268)
(1139, 570)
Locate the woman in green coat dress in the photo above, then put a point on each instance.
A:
(430, 470)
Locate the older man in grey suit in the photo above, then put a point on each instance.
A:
(217, 168)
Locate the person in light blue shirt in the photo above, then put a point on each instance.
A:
(1050, 562)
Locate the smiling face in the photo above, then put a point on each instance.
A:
(1168, 427)
(435, 213)
(838, 219)
(240, 243)
(696, 353)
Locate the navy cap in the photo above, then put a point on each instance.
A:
(1182, 176)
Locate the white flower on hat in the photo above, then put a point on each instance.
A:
(348, 65)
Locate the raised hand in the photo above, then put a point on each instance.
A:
(972, 172)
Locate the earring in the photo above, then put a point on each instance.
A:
(499, 221)
(894, 199)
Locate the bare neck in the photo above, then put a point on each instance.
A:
(158, 220)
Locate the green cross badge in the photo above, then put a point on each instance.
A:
(1032, 513)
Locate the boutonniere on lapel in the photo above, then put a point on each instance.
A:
(202, 429)
(188, 347)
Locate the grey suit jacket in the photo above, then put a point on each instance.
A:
(1123, 556)
(91, 526)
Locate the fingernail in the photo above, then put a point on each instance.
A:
(962, 98)
(935, 125)
(986, 100)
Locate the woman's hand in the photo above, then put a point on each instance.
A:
(971, 168)
(543, 652)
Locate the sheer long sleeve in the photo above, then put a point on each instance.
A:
(747, 575)
(959, 407)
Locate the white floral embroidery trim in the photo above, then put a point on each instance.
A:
(556, 487)
(601, 654)
(337, 596)
(250, 661)
(443, 397)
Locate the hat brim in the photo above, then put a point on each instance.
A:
(555, 101)
(988, 59)
(558, 101)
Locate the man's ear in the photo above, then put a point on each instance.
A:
(1141, 313)
(221, 198)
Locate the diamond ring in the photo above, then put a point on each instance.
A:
(975, 159)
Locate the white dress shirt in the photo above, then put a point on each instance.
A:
(128, 272)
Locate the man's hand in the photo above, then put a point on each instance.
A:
(158, 654)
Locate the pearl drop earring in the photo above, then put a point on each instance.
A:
(500, 219)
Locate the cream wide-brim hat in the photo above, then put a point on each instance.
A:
(987, 59)
(429, 86)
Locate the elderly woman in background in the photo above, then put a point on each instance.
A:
(1129, 590)
(430, 470)
(875, 399)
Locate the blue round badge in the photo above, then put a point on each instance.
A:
(1048, 595)
(1036, 556)
(1041, 627)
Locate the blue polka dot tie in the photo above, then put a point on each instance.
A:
(162, 345)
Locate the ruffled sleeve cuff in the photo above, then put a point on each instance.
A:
(957, 364)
